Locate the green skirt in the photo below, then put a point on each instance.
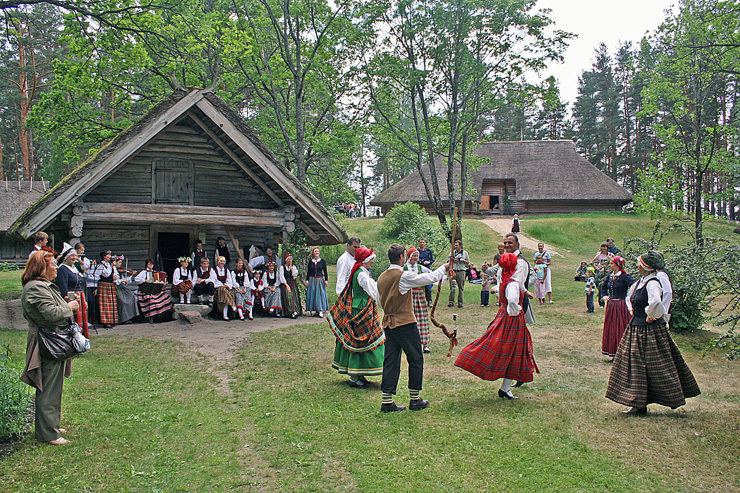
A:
(357, 364)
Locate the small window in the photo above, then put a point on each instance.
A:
(173, 182)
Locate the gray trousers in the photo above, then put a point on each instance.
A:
(458, 280)
(49, 402)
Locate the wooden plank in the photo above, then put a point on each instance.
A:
(275, 173)
(101, 207)
(158, 218)
(309, 232)
(236, 159)
(114, 160)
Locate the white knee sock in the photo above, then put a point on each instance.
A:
(506, 385)
(241, 313)
(226, 312)
(182, 298)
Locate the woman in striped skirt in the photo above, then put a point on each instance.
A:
(418, 298)
(648, 367)
(155, 302)
(316, 283)
(505, 350)
(106, 292)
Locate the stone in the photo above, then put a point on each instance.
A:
(11, 315)
(190, 317)
(201, 310)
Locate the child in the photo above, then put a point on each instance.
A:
(590, 289)
(540, 272)
(581, 272)
(258, 290)
(473, 274)
(485, 287)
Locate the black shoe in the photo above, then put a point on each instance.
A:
(364, 380)
(459, 305)
(636, 411)
(391, 408)
(519, 384)
(418, 405)
(503, 395)
(450, 305)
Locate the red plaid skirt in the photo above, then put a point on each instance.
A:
(504, 351)
(616, 320)
(421, 312)
(81, 314)
(182, 288)
(107, 303)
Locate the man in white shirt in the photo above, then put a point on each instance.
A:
(401, 332)
(345, 263)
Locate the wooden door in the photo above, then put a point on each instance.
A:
(173, 182)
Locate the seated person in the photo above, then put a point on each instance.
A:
(204, 281)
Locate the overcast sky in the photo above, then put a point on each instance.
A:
(594, 21)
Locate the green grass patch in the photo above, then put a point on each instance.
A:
(10, 285)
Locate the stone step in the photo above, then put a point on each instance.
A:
(202, 310)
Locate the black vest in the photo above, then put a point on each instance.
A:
(239, 277)
(639, 303)
(223, 251)
(105, 279)
(183, 277)
(525, 303)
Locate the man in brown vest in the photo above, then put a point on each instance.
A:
(399, 324)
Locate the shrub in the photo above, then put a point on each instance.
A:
(406, 223)
(8, 267)
(15, 400)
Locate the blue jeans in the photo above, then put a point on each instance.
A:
(484, 296)
(590, 302)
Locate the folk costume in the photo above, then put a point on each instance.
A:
(243, 292)
(127, 295)
(521, 276)
(505, 350)
(71, 282)
(271, 300)
(91, 289)
(426, 259)
(264, 260)
(419, 299)
(515, 227)
(106, 294)
(221, 251)
(648, 367)
(290, 298)
(197, 255)
(182, 281)
(617, 316)
(155, 302)
(395, 286)
(318, 278)
(224, 293)
(345, 263)
(355, 322)
(204, 281)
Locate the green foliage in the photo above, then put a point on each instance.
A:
(8, 267)
(659, 190)
(15, 399)
(407, 223)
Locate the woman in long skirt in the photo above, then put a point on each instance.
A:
(126, 293)
(225, 298)
(505, 350)
(355, 322)
(419, 299)
(106, 292)
(290, 295)
(72, 285)
(271, 292)
(617, 316)
(648, 367)
(318, 280)
(243, 289)
(182, 281)
(155, 302)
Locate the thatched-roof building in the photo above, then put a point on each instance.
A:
(190, 169)
(15, 197)
(525, 176)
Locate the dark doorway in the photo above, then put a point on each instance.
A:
(495, 204)
(170, 246)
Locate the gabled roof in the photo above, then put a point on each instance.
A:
(236, 141)
(543, 170)
(15, 197)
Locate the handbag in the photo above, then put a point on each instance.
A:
(61, 343)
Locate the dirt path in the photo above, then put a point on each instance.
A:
(217, 340)
(502, 225)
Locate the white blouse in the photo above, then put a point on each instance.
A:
(655, 308)
(178, 272)
(368, 283)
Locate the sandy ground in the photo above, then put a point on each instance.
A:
(502, 225)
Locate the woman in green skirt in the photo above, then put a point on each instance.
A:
(355, 322)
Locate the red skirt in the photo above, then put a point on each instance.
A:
(616, 320)
(504, 351)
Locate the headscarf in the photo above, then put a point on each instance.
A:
(411, 250)
(286, 255)
(362, 256)
(619, 262)
(67, 250)
(507, 262)
(651, 261)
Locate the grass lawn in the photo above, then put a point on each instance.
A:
(10, 285)
(147, 416)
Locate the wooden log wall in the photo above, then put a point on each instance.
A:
(14, 250)
(533, 207)
(129, 240)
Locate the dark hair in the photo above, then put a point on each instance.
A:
(512, 235)
(146, 262)
(198, 242)
(78, 245)
(104, 253)
(352, 240)
(395, 252)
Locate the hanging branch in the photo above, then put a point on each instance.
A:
(452, 336)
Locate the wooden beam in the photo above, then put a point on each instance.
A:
(236, 159)
(309, 232)
(86, 181)
(165, 209)
(185, 219)
(277, 174)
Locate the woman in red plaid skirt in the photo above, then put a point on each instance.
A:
(505, 350)
(419, 299)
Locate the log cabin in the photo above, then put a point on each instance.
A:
(519, 177)
(189, 169)
(15, 197)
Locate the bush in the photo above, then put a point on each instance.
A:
(8, 267)
(406, 223)
(15, 400)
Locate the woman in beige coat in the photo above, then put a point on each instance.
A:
(44, 306)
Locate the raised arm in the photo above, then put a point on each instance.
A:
(410, 279)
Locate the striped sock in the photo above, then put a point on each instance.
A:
(387, 398)
(414, 394)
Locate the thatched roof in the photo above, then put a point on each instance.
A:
(543, 170)
(223, 122)
(411, 187)
(15, 197)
